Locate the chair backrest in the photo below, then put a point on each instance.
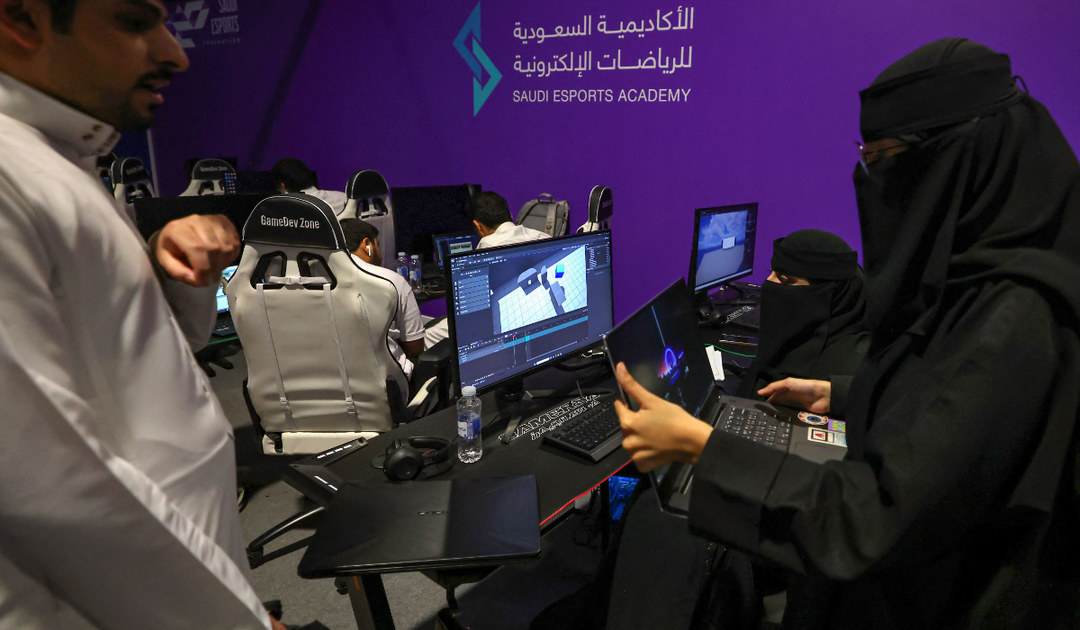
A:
(211, 176)
(545, 214)
(600, 210)
(369, 199)
(104, 169)
(313, 324)
(130, 181)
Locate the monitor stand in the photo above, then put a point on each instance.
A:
(706, 306)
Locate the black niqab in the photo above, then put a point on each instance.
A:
(812, 331)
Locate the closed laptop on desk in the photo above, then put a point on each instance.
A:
(386, 527)
(662, 351)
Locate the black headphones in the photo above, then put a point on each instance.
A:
(406, 457)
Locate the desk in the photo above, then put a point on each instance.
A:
(561, 477)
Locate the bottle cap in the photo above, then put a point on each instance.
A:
(401, 253)
(468, 390)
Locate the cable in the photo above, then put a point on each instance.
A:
(738, 354)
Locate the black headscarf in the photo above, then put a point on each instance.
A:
(810, 331)
(991, 191)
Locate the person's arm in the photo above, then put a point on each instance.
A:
(411, 330)
(946, 449)
(811, 395)
(75, 517)
(189, 254)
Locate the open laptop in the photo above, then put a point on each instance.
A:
(662, 350)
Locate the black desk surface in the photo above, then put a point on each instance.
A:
(561, 477)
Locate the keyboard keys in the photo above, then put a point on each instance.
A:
(590, 430)
(756, 426)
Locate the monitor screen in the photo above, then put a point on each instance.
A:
(222, 300)
(152, 213)
(514, 309)
(447, 245)
(420, 211)
(723, 245)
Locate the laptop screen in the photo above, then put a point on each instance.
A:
(662, 349)
(222, 301)
(449, 244)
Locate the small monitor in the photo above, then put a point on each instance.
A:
(447, 245)
(222, 300)
(518, 308)
(723, 245)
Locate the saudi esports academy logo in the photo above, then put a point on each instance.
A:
(478, 60)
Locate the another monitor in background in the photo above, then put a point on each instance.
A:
(222, 300)
(723, 246)
(446, 245)
(516, 309)
(153, 213)
(420, 211)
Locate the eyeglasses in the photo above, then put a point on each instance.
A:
(869, 156)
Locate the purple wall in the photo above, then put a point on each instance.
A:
(771, 115)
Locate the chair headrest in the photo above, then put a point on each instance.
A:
(129, 170)
(211, 168)
(366, 184)
(600, 204)
(294, 220)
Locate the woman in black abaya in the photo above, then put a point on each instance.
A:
(812, 312)
(958, 504)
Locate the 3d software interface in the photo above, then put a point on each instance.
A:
(518, 308)
(723, 249)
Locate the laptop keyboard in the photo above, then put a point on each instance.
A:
(590, 430)
(756, 426)
(745, 315)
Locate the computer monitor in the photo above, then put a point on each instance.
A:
(222, 299)
(151, 214)
(723, 245)
(518, 308)
(420, 211)
(448, 244)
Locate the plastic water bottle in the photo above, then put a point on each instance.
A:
(414, 272)
(403, 262)
(468, 426)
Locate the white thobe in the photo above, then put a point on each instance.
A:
(117, 471)
(509, 234)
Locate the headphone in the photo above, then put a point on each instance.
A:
(405, 458)
(368, 248)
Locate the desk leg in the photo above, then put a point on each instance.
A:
(368, 598)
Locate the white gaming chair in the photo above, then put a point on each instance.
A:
(313, 327)
(130, 181)
(600, 210)
(369, 199)
(211, 176)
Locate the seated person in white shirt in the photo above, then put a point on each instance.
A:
(493, 222)
(292, 175)
(406, 332)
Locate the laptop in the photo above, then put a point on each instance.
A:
(445, 245)
(383, 527)
(662, 350)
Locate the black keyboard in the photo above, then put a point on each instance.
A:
(756, 426)
(745, 315)
(590, 430)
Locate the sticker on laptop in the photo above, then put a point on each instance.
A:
(838, 425)
(813, 418)
(824, 436)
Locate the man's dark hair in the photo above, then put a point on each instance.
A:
(490, 209)
(356, 230)
(294, 174)
(62, 14)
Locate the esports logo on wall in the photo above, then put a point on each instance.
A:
(477, 59)
(194, 25)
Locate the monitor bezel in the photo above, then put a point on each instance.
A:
(452, 324)
(691, 279)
